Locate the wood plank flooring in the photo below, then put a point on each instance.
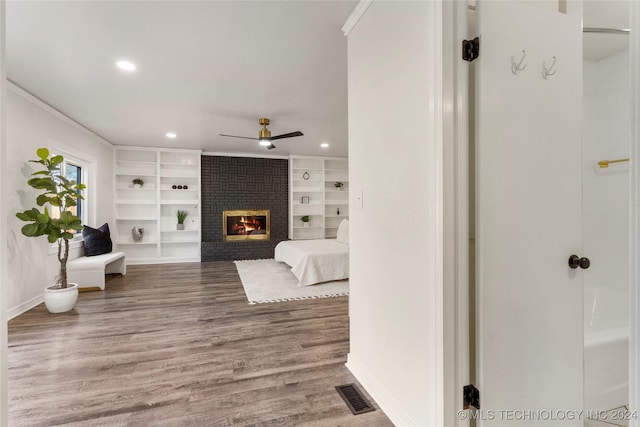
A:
(178, 345)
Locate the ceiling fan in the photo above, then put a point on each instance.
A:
(264, 136)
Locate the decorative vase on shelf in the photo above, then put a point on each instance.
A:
(180, 227)
(137, 186)
(137, 233)
(305, 224)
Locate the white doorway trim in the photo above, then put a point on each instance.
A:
(455, 97)
(455, 185)
(634, 226)
(4, 285)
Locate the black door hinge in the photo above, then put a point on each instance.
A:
(471, 49)
(470, 397)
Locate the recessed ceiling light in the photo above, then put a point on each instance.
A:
(324, 145)
(126, 65)
(171, 135)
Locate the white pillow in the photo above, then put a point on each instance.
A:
(343, 232)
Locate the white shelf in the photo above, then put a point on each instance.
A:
(128, 218)
(307, 204)
(160, 168)
(135, 163)
(179, 164)
(135, 202)
(324, 172)
(131, 242)
(135, 174)
(179, 202)
(136, 189)
(173, 175)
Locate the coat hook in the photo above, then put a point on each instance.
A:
(546, 72)
(516, 68)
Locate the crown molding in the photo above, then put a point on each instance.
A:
(355, 16)
(258, 156)
(23, 93)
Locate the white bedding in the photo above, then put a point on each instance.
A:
(315, 261)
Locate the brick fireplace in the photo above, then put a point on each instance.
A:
(243, 183)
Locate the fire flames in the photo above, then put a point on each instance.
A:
(246, 225)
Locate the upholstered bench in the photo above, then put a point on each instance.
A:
(89, 272)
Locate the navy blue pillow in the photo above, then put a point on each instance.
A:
(97, 241)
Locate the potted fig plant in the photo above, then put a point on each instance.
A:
(137, 182)
(305, 220)
(182, 215)
(62, 195)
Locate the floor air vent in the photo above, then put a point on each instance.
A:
(354, 399)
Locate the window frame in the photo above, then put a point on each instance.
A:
(87, 176)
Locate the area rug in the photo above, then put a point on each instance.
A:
(265, 280)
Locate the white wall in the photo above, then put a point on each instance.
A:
(606, 135)
(4, 392)
(392, 160)
(30, 125)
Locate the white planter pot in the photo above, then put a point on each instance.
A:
(305, 224)
(179, 226)
(61, 300)
(137, 186)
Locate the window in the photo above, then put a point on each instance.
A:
(74, 170)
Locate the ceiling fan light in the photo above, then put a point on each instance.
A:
(264, 141)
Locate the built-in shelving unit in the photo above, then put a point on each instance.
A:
(166, 173)
(312, 192)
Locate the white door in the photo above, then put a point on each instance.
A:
(528, 188)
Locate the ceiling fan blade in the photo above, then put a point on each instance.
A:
(287, 135)
(271, 147)
(236, 136)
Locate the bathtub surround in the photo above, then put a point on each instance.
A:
(243, 183)
(606, 130)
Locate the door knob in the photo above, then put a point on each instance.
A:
(575, 261)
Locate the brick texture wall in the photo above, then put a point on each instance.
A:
(230, 183)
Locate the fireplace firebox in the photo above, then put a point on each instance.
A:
(246, 225)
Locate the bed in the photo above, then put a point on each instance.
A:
(317, 261)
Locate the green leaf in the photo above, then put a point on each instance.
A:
(43, 183)
(67, 236)
(56, 160)
(25, 216)
(43, 218)
(43, 153)
(52, 238)
(41, 173)
(76, 225)
(30, 230)
(42, 199)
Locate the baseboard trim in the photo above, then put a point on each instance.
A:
(387, 403)
(25, 306)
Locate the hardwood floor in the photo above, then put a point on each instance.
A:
(178, 345)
